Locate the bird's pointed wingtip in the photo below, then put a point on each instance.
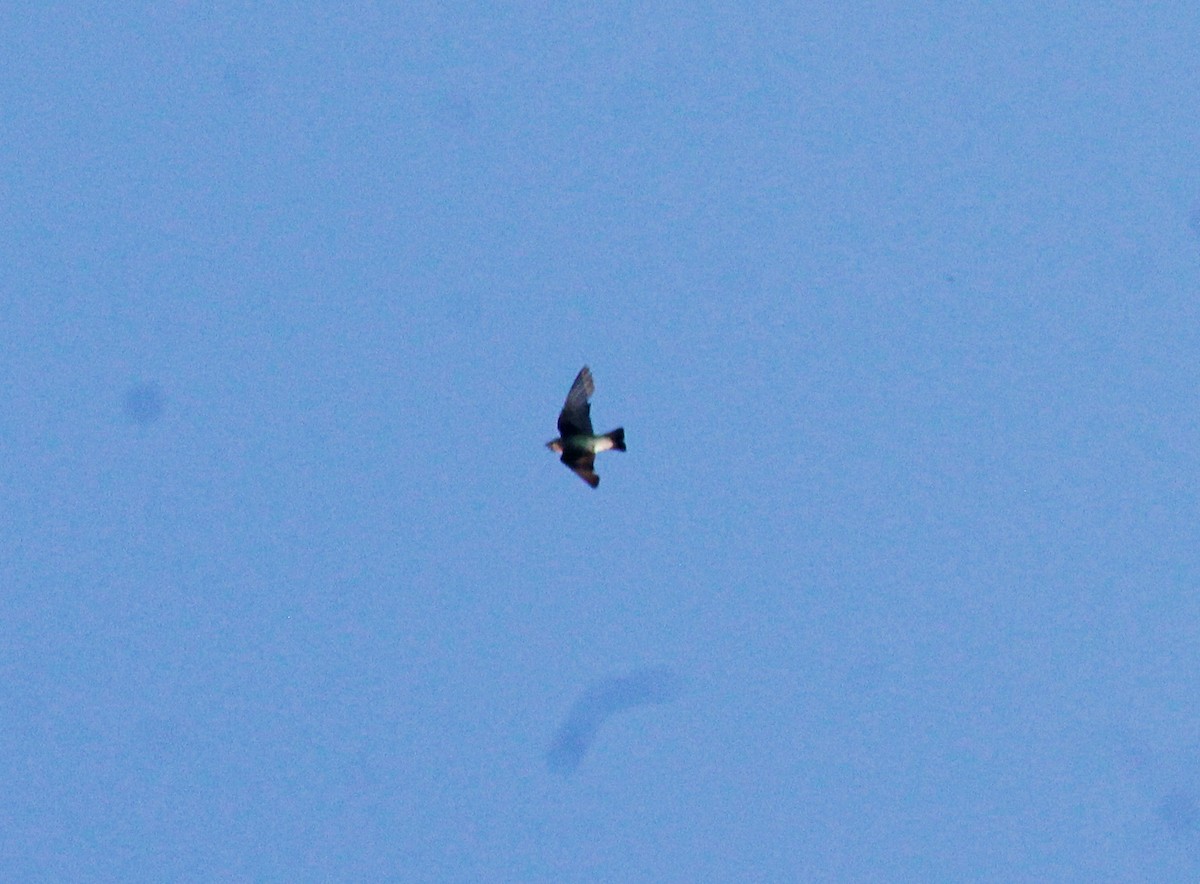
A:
(587, 474)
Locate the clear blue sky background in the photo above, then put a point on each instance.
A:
(899, 307)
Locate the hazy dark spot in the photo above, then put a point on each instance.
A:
(241, 80)
(1179, 811)
(1169, 784)
(600, 701)
(453, 109)
(143, 403)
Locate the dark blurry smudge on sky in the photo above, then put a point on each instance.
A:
(452, 110)
(604, 698)
(1180, 813)
(241, 80)
(143, 403)
(1167, 778)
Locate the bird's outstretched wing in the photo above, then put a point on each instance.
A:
(576, 416)
(584, 467)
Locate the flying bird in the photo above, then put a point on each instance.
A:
(576, 442)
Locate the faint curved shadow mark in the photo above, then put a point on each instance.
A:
(1180, 813)
(604, 698)
(143, 403)
(453, 109)
(1168, 779)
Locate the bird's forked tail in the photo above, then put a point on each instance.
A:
(618, 438)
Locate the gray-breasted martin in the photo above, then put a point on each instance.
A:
(576, 442)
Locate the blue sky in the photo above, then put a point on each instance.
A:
(898, 307)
